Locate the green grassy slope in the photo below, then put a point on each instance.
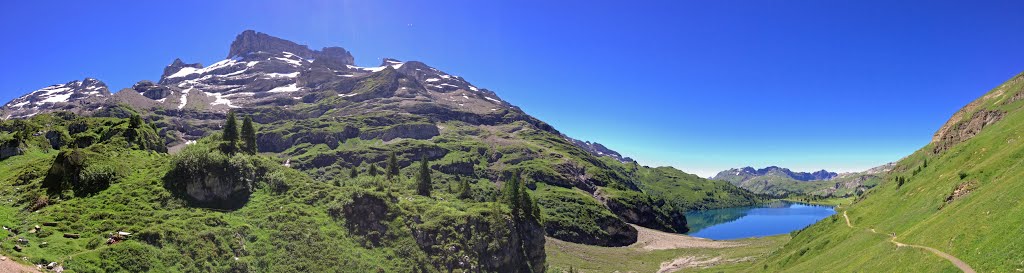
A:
(290, 223)
(961, 197)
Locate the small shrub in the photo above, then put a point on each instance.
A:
(276, 182)
(94, 243)
(43, 233)
(41, 202)
(95, 178)
(962, 175)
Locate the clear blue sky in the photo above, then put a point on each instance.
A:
(699, 85)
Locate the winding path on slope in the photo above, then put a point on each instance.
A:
(956, 261)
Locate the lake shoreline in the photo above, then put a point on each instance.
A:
(772, 218)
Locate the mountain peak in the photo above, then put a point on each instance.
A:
(251, 41)
(55, 97)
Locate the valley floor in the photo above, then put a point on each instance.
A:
(657, 251)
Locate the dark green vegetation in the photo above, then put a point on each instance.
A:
(959, 194)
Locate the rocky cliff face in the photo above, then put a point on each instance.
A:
(463, 243)
(977, 115)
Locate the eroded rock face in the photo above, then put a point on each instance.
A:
(210, 179)
(413, 131)
(644, 211)
(250, 41)
(151, 90)
(950, 135)
(518, 249)
(618, 233)
(272, 142)
(367, 216)
(217, 192)
(9, 149)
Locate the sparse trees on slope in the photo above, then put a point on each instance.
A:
(248, 136)
(423, 185)
(525, 212)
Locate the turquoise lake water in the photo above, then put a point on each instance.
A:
(756, 221)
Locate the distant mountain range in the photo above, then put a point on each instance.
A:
(778, 181)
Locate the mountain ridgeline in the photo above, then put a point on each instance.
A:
(782, 182)
(398, 167)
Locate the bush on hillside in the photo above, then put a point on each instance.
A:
(207, 177)
(82, 171)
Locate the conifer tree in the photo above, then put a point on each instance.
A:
(135, 121)
(423, 185)
(373, 170)
(248, 136)
(510, 194)
(392, 169)
(354, 172)
(230, 129)
(465, 192)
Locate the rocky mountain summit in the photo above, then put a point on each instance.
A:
(74, 96)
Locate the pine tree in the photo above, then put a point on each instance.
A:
(423, 185)
(510, 194)
(465, 192)
(248, 136)
(392, 169)
(231, 129)
(135, 121)
(354, 172)
(132, 134)
(373, 170)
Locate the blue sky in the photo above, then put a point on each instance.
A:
(699, 85)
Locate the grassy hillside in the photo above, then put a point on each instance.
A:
(289, 222)
(211, 208)
(961, 194)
